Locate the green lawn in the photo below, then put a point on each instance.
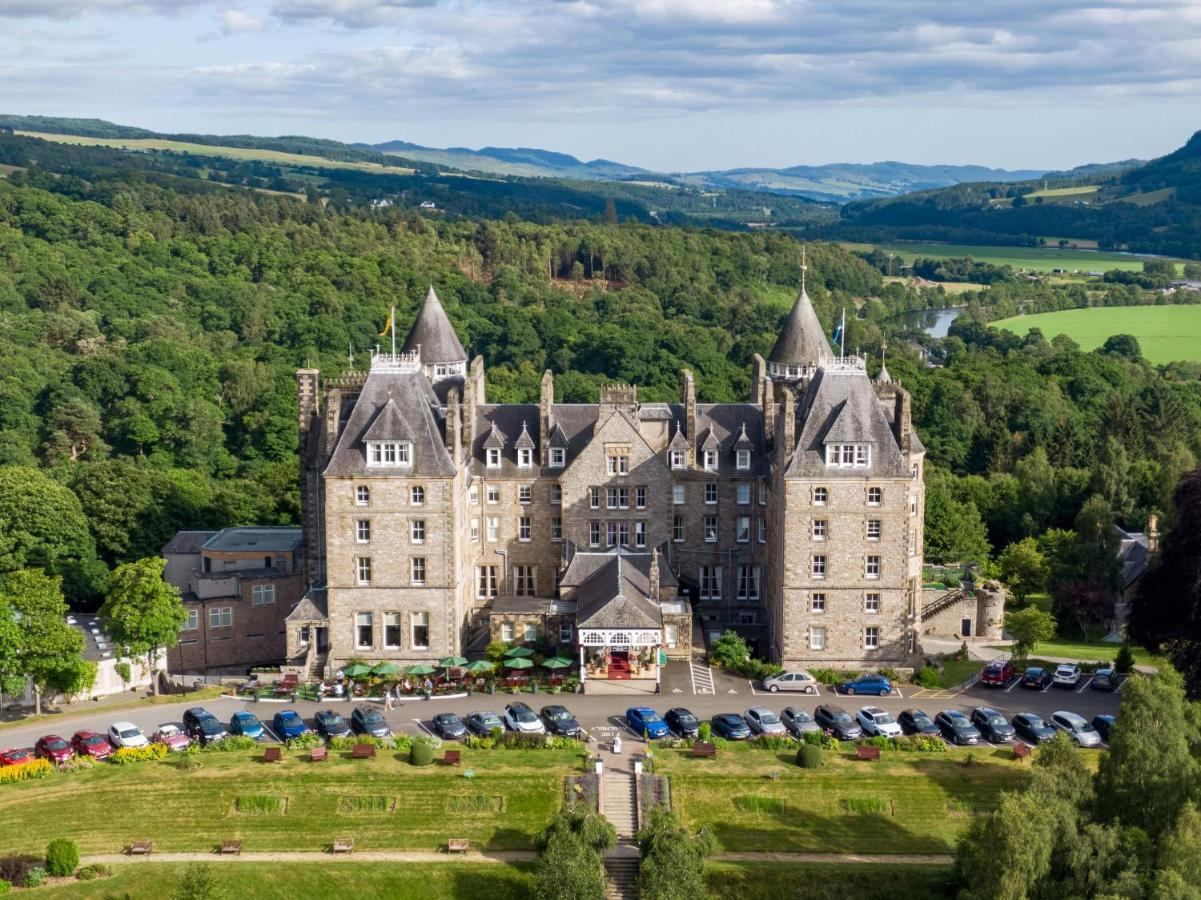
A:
(826, 881)
(511, 798)
(1085, 651)
(316, 881)
(1165, 333)
(956, 671)
(1038, 259)
(903, 803)
(1064, 192)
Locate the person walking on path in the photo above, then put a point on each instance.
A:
(388, 698)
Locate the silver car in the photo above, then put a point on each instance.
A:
(799, 680)
(764, 721)
(797, 721)
(1078, 728)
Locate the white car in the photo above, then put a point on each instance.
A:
(1067, 675)
(1078, 728)
(126, 734)
(519, 717)
(874, 720)
(799, 680)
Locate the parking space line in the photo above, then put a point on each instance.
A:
(1016, 682)
(274, 736)
(421, 725)
(1080, 690)
(751, 685)
(1050, 685)
(702, 674)
(897, 691)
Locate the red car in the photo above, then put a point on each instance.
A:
(53, 748)
(998, 673)
(16, 757)
(89, 743)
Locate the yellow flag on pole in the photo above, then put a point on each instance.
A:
(390, 324)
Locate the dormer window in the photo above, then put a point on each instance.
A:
(390, 453)
(709, 460)
(743, 460)
(558, 457)
(525, 458)
(848, 456)
(677, 459)
(493, 457)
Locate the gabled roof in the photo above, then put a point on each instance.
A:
(882, 377)
(708, 440)
(851, 424)
(433, 331)
(524, 441)
(557, 437)
(617, 595)
(678, 441)
(312, 607)
(495, 439)
(801, 340)
(389, 425)
(744, 442)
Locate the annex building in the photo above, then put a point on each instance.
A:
(618, 531)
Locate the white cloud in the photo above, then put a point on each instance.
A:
(235, 21)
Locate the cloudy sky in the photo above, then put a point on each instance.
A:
(668, 84)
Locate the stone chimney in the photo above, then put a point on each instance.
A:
(903, 420)
(788, 421)
(473, 395)
(618, 397)
(758, 379)
(654, 575)
(454, 426)
(1153, 533)
(769, 410)
(690, 407)
(307, 399)
(546, 400)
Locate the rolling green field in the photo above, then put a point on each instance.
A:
(1038, 259)
(1065, 191)
(1165, 333)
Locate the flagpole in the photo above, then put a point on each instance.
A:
(392, 327)
(842, 334)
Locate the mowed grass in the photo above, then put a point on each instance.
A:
(325, 880)
(826, 881)
(1165, 333)
(261, 155)
(902, 803)
(1064, 192)
(511, 797)
(1038, 259)
(1091, 651)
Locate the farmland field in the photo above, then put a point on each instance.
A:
(1064, 192)
(1165, 333)
(1039, 259)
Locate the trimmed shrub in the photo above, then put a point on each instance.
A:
(38, 768)
(127, 755)
(62, 857)
(773, 742)
(926, 677)
(93, 871)
(880, 741)
(704, 732)
(306, 741)
(34, 877)
(229, 744)
(811, 737)
(809, 756)
(421, 754)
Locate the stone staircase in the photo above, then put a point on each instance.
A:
(942, 602)
(619, 804)
(621, 865)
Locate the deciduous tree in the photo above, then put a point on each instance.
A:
(144, 613)
(48, 651)
(1027, 627)
(1023, 568)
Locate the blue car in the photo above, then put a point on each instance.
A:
(289, 725)
(246, 724)
(867, 684)
(731, 726)
(643, 719)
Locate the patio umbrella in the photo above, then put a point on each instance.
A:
(452, 662)
(420, 669)
(386, 669)
(480, 665)
(519, 653)
(357, 670)
(557, 662)
(519, 663)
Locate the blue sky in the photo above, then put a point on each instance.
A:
(667, 84)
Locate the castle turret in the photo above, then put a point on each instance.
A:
(432, 335)
(801, 345)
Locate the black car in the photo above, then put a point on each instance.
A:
(1104, 725)
(1105, 680)
(831, 717)
(915, 721)
(449, 727)
(797, 721)
(560, 722)
(481, 724)
(201, 725)
(1031, 728)
(992, 725)
(366, 720)
(330, 724)
(956, 727)
(682, 722)
(731, 726)
(1037, 678)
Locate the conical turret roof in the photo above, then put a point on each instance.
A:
(801, 341)
(433, 331)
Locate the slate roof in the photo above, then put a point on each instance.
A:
(574, 424)
(433, 331)
(524, 441)
(187, 543)
(264, 538)
(418, 406)
(584, 564)
(1134, 556)
(617, 596)
(801, 340)
(389, 425)
(311, 607)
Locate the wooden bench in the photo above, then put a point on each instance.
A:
(141, 848)
(363, 751)
(1020, 750)
(452, 758)
(867, 751)
(231, 848)
(273, 754)
(457, 845)
(704, 750)
(342, 845)
(318, 754)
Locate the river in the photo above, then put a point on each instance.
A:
(934, 322)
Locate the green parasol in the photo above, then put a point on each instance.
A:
(420, 669)
(386, 668)
(480, 665)
(452, 662)
(557, 662)
(519, 653)
(356, 670)
(519, 663)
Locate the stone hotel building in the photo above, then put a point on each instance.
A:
(622, 532)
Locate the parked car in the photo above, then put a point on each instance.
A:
(16, 756)
(837, 720)
(53, 748)
(330, 724)
(1031, 728)
(643, 719)
(481, 723)
(874, 720)
(246, 724)
(560, 721)
(521, 718)
(867, 684)
(915, 721)
(449, 727)
(798, 721)
(1037, 678)
(202, 725)
(799, 680)
(366, 720)
(287, 724)
(682, 722)
(998, 673)
(1104, 725)
(731, 726)
(1106, 680)
(126, 734)
(764, 721)
(172, 736)
(91, 744)
(1076, 727)
(956, 727)
(992, 725)
(1067, 675)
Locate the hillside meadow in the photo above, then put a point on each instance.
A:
(1165, 333)
(1038, 259)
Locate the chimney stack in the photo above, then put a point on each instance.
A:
(903, 420)
(654, 575)
(788, 421)
(1153, 533)
(454, 426)
(769, 410)
(690, 407)
(546, 400)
